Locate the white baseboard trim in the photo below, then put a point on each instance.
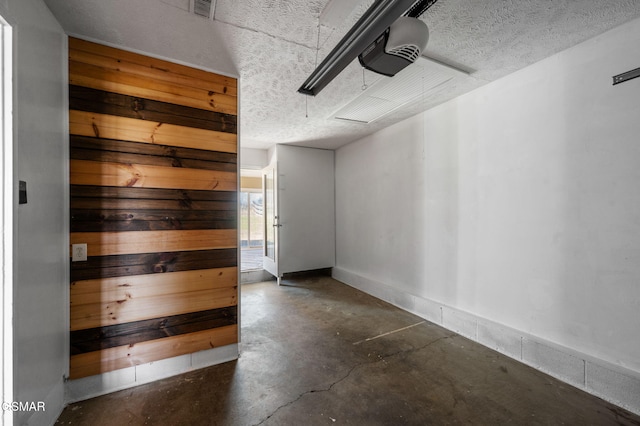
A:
(102, 384)
(598, 377)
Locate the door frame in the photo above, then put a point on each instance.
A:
(7, 214)
(271, 265)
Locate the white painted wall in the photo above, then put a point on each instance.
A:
(41, 231)
(253, 159)
(515, 205)
(129, 24)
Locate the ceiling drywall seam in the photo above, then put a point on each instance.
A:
(253, 30)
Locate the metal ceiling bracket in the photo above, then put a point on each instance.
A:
(419, 8)
(626, 76)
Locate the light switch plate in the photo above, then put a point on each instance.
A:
(78, 252)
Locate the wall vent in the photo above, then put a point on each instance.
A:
(203, 8)
(388, 94)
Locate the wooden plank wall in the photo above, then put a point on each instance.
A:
(153, 150)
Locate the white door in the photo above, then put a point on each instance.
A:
(306, 209)
(299, 211)
(271, 224)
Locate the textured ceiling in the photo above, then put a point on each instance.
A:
(271, 45)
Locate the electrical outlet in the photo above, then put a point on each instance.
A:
(78, 252)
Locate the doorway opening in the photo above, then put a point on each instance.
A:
(251, 221)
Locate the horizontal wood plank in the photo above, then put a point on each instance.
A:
(99, 78)
(99, 338)
(83, 172)
(186, 198)
(109, 312)
(152, 263)
(178, 154)
(113, 243)
(150, 160)
(147, 204)
(154, 68)
(122, 289)
(124, 214)
(211, 83)
(134, 130)
(151, 225)
(97, 362)
(149, 220)
(103, 102)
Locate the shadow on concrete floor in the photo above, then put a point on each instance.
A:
(317, 352)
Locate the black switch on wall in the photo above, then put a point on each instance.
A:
(22, 192)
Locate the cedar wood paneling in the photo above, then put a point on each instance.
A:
(153, 172)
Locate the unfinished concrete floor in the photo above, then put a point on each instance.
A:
(317, 352)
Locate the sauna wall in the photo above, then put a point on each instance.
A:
(153, 194)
